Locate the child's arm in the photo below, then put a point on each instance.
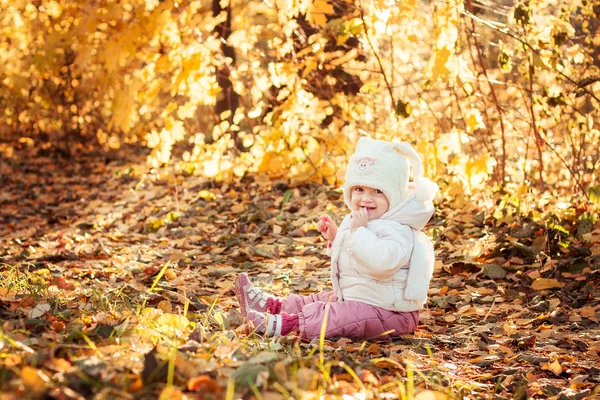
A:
(381, 257)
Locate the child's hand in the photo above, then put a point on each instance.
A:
(359, 218)
(327, 227)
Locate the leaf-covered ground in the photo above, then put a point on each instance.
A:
(116, 282)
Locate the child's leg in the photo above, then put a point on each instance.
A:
(355, 319)
(252, 298)
(286, 319)
(271, 325)
(294, 303)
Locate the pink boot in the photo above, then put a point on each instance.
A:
(252, 298)
(271, 325)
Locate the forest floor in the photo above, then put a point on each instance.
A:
(116, 281)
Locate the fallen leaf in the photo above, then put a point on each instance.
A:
(553, 367)
(155, 369)
(539, 244)
(575, 318)
(544, 283)
(509, 329)
(165, 306)
(171, 393)
(59, 365)
(431, 395)
(34, 379)
(170, 274)
(516, 260)
(204, 384)
(587, 312)
(534, 274)
(136, 385)
(495, 271)
(58, 326)
(39, 310)
(12, 360)
(554, 303)
(238, 208)
(307, 378)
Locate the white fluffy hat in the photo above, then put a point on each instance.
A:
(382, 165)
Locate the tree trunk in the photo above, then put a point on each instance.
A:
(228, 99)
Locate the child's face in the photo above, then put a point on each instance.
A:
(372, 200)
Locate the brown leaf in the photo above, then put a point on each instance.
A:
(544, 283)
(495, 271)
(509, 329)
(587, 312)
(373, 349)
(155, 369)
(204, 384)
(165, 306)
(58, 326)
(539, 244)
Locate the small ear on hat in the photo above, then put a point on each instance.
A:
(411, 155)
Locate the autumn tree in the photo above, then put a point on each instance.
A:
(500, 93)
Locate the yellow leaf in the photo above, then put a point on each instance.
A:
(431, 395)
(555, 367)
(543, 284)
(473, 120)
(171, 393)
(207, 195)
(53, 9)
(170, 274)
(33, 378)
(12, 360)
(136, 385)
(438, 64)
(319, 11)
(188, 110)
(311, 64)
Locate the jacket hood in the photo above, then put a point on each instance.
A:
(417, 208)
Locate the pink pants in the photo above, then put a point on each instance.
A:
(351, 319)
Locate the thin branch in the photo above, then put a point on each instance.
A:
(507, 32)
(385, 78)
(569, 168)
(495, 101)
(538, 139)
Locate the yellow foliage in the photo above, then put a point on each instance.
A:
(154, 70)
(442, 64)
(319, 11)
(473, 120)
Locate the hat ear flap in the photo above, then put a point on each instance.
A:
(411, 155)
